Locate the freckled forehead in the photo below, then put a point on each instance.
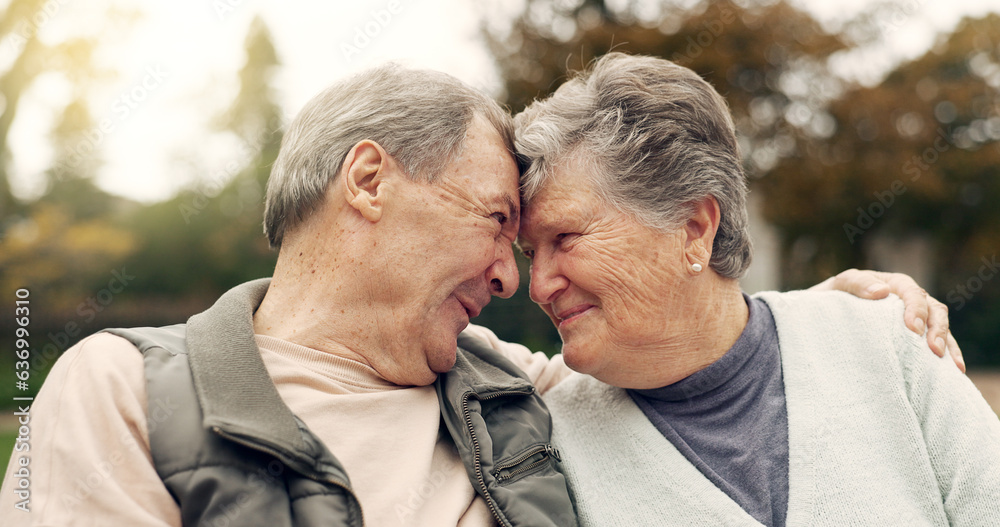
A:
(485, 171)
(505, 194)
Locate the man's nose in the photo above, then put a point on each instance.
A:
(503, 275)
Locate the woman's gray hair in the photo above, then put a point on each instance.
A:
(653, 137)
(420, 118)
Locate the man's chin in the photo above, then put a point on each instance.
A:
(442, 358)
(443, 364)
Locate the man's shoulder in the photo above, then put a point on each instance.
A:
(171, 338)
(544, 371)
(99, 360)
(102, 348)
(481, 357)
(115, 356)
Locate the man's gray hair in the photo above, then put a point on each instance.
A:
(653, 137)
(420, 118)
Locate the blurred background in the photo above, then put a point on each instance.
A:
(136, 139)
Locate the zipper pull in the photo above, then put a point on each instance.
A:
(553, 451)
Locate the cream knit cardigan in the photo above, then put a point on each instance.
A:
(881, 432)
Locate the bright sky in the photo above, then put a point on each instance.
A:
(181, 58)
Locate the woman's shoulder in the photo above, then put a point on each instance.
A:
(576, 387)
(802, 316)
(582, 396)
(837, 306)
(839, 335)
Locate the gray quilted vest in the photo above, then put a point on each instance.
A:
(232, 454)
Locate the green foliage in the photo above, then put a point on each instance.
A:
(209, 237)
(818, 147)
(7, 440)
(180, 254)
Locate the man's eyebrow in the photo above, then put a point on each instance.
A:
(513, 210)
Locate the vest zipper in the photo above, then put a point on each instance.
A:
(546, 450)
(476, 452)
(277, 455)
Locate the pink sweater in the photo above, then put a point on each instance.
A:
(90, 460)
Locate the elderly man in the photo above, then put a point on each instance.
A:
(339, 391)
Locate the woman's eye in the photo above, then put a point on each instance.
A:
(500, 217)
(529, 254)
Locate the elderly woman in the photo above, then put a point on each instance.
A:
(701, 405)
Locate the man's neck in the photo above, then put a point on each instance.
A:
(307, 304)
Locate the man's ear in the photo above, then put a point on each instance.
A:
(700, 231)
(363, 173)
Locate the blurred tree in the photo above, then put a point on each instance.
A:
(763, 52)
(19, 36)
(922, 144)
(20, 27)
(915, 156)
(254, 113)
(209, 238)
(64, 243)
(70, 181)
(256, 120)
(62, 259)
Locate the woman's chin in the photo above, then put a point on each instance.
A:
(580, 359)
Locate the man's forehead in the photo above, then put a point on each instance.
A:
(505, 193)
(495, 197)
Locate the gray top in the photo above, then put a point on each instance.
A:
(729, 419)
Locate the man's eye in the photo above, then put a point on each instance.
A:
(529, 254)
(500, 217)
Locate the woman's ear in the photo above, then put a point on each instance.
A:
(700, 232)
(362, 176)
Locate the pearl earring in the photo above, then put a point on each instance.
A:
(696, 267)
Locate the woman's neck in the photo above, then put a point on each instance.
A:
(697, 334)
